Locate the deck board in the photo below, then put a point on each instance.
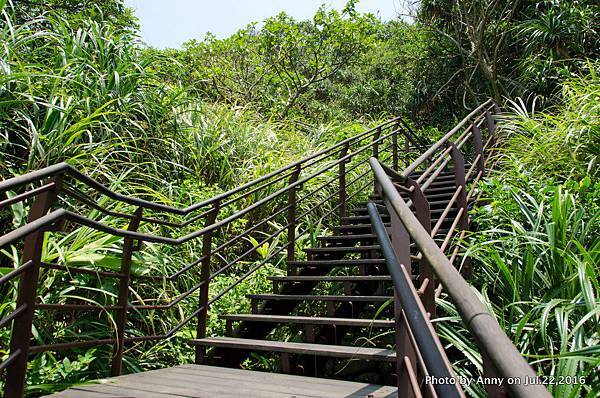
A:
(199, 381)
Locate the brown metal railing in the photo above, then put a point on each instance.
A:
(411, 222)
(271, 208)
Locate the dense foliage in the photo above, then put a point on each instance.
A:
(179, 125)
(537, 247)
(504, 48)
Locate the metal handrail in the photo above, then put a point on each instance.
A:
(428, 344)
(333, 159)
(65, 168)
(492, 340)
(56, 201)
(442, 141)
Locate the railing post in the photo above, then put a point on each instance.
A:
(291, 232)
(478, 144)
(461, 200)
(491, 125)
(122, 301)
(205, 279)
(460, 181)
(400, 240)
(406, 150)
(401, 245)
(490, 373)
(20, 340)
(342, 180)
(423, 213)
(376, 143)
(376, 148)
(395, 146)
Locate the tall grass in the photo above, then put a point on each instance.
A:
(562, 142)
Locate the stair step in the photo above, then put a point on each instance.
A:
(435, 189)
(336, 263)
(308, 320)
(336, 351)
(327, 278)
(418, 174)
(362, 210)
(442, 196)
(350, 227)
(310, 297)
(440, 183)
(344, 249)
(335, 238)
(349, 220)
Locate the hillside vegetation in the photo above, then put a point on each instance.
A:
(177, 126)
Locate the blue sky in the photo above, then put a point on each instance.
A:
(170, 23)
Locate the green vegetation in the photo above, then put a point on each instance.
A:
(179, 126)
(537, 247)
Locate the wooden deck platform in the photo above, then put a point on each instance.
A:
(199, 381)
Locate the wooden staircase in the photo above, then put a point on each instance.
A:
(358, 306)
(335, 308)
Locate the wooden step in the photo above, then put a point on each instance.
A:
(337, 263)
(333, 278)
(360, 219)
(435, 189)
(355, 226)
(310, 297)
(448, 174)
(341, 238)
(202, 381)
(363, 211)
(442, 183)
(324, 350)
(439, 196)
(308, 320)
(342, 249)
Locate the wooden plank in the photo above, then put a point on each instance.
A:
(337, 278)
(199, 381)
(76, 393)
(308, 297)
(309, 320)
(336, 351)
(241, 384)
(190, 386)
(335, 263)
(158, 389)
(349, 249)
(302, 383)
(346, 237)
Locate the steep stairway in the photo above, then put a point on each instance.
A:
(335, 310)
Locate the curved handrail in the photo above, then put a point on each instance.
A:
(49, 191)
(65, 168)
(82, 220)
(432, 149)
(492, 339)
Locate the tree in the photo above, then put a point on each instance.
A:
(304, 53)
(505, 48)
(113, 12)
(274, 66)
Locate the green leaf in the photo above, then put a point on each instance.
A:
(18, 210)
(107, 261)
